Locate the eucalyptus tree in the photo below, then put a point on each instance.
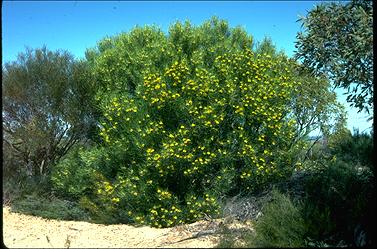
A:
(338, 41)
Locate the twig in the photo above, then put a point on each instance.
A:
(48, 240)
(67, 242)
(197, 235)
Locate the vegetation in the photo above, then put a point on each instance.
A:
(337, 208)
(41, 121)
(192, 127)
(51, 208)
(342, 49)
(281, 225)
(337, 201)
(172, 125)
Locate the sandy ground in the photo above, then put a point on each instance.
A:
(26, 231)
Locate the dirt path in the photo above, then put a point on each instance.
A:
(26, 231)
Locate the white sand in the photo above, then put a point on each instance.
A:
(26, 231)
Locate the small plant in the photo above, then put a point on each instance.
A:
(281, 224)
(51, 208)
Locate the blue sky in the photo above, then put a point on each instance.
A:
(78, 25)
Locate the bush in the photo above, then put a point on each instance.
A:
(162, 139)
(49, 207)
(338, 199)
(34, 196)
(281, 224)
(356, 148)
(73, 176)
(187, 118)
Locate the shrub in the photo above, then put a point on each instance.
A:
(74, 176)
(338, 199)
(165, 137)
(41, 121)
(49, 207)
(281, 224)
(187, 118)
(356, 148)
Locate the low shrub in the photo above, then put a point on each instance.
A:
(17, 187)
(281, 224)
(338, 198)
(49, 207)
(73, 177)
(356, 148)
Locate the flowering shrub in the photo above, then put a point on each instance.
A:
(191, 134)
(187, 119)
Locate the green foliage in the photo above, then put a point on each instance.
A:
(41, 121)
(166, 132)
(50, 208)
(339, 193)
(356, 148)
(315, 105)
(281, 224)
(73, 176)
(187, 118)
(32, 195)
(12, 189)
(266, 46)
(11, 170)
(343, 48)
(179, 120)
(121, 62)
(338, 198)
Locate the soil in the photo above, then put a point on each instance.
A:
(27, 231)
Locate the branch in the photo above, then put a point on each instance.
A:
(13, 145)
(307, 152)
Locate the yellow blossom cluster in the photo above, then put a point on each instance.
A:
(198, 207)
(160, 216)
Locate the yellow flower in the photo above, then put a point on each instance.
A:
(150, 150)
(115, 200)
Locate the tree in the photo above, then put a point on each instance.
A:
(338, 41)
(46, 107)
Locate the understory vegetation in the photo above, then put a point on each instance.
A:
(174, 125)
(336, 207)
